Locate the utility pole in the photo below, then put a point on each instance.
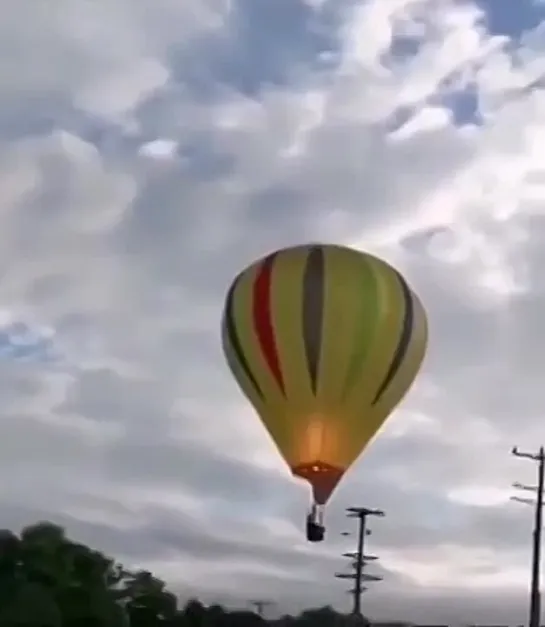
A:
(535, 588)
(260, 605)
(359, 558)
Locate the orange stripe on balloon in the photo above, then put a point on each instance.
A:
(262, 316)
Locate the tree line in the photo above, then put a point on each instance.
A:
(48, 580)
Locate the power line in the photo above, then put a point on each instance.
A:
(358, 557)
(537, 503)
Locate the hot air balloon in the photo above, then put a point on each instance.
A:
(324, 341)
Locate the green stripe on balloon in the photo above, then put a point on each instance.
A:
(366, 327)
(313, 311)
(234, 340)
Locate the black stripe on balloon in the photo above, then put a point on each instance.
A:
(313, 310)
(404, 338)
(234, 340)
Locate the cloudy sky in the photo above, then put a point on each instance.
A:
(151, 148)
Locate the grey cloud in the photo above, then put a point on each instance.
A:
(104, 395)
(133, 544)
(291, 36)
(167, 463)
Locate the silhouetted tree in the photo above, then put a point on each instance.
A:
(193, 615)
(47, 580)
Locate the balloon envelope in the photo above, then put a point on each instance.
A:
(324, 341)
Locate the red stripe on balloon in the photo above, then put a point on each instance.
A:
(263, 318)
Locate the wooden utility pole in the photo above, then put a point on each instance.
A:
(260, 605)
(535, 588)
(359, 558)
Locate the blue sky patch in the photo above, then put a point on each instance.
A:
(21, 342)
(511, 17)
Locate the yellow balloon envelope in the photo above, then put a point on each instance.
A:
(324, 341)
